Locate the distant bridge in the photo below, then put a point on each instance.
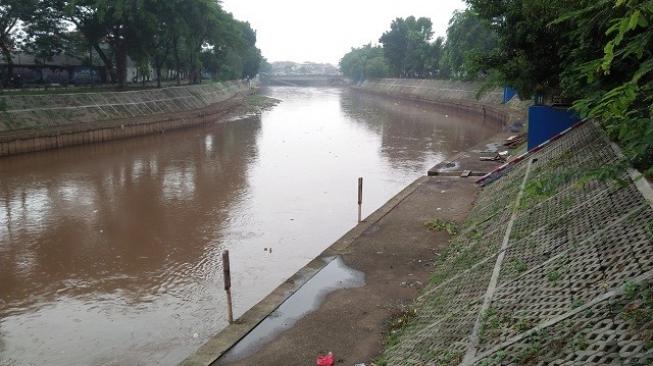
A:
(302, 80)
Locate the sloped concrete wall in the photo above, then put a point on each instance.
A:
(553, 266)
(41, 122)
(454, 94)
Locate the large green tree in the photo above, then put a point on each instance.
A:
(177, 34)
(468, 35)
(12, 12)
(407, 47)
(598, 53)
(608, 70)
(363, 63)
(527, 57)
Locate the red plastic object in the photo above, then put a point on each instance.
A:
(324, 360)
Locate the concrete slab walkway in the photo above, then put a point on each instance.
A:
(396, 255)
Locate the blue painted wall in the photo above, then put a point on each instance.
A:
(545, 122)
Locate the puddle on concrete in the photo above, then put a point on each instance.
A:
(333, 276)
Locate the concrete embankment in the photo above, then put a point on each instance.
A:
(458, 95)
(41, 122)
(553, 266)
(394, 251)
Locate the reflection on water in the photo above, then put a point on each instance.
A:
(335, 275)
(110, 253)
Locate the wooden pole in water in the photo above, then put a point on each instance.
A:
(227, 284)
(360, 198)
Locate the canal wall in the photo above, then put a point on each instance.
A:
(458, 95)
(40, 122)
(553, 265)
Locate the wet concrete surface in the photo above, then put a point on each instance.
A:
(110, 253)
(333, 276)
(396, 255)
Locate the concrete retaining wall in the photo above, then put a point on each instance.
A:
(42, 122)
(454, 94)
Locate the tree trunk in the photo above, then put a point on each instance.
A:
(121, 65)
(6, 53)
(158, 75)
(177, 62)
(108, 64)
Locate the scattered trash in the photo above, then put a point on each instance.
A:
(514, 140)
(360, 364)
(466, 173)
(450, 164)
(324, 360)
(195, 335)
(497, 157)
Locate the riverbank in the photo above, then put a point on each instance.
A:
(393, 250)
(553, 263)
(456, 95)
(32, 123)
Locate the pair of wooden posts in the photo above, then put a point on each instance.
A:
(226, 266)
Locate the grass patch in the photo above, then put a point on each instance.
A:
(259, 103)
(449, 227)
(494, 360)
(553, 276)
(399, 320)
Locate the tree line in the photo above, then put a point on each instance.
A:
(595, 54)
(187, 36)
(408, 49)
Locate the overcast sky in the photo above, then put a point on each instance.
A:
(323, 31)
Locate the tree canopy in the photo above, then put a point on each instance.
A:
(188, 36)
(364, 62)
(467, 36)
(408, 50)
(598, 54)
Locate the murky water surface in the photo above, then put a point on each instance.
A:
(110, 253)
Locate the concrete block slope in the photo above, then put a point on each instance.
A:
(554, 265)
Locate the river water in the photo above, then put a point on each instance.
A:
(110, 254)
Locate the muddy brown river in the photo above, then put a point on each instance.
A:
(110, 254)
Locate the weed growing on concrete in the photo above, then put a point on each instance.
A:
(449, 227)
(639, 310)
(579, 342)
(492, 324)
(553, 276)
(529, 355)
(447, 358)
(494, 360)
(399, 320)
(613, 172)
(538, 190)
(517, 266)
(523, 325)
(577, 303)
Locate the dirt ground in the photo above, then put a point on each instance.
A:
(396, 254)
